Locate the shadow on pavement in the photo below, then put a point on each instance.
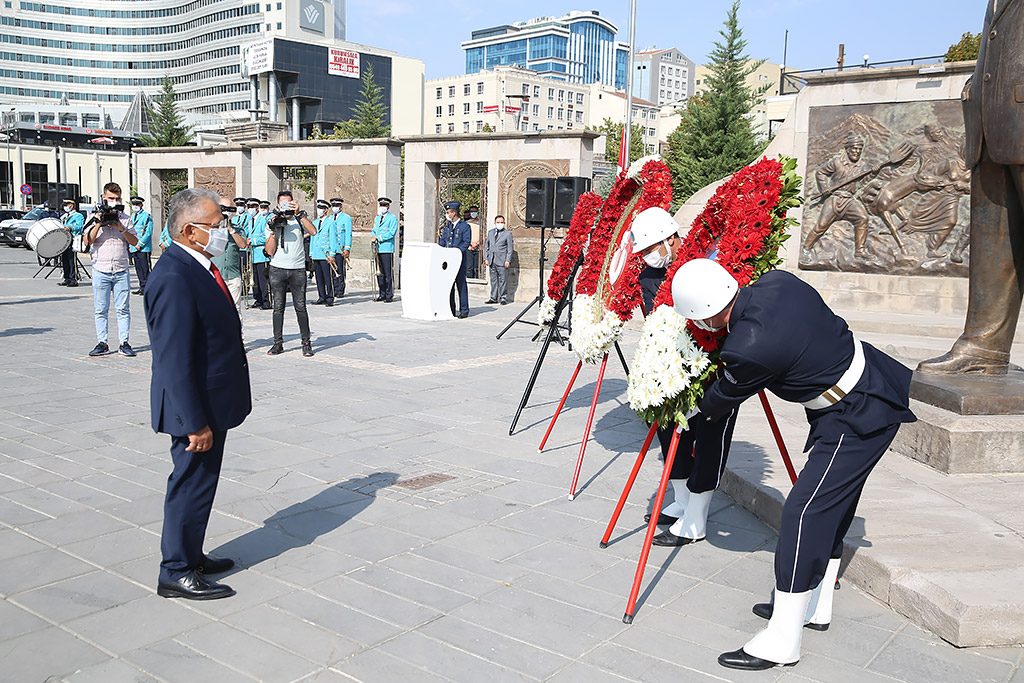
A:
(15, 331)
(300, 524)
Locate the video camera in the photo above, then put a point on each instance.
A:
(109, 215)
(281, 218)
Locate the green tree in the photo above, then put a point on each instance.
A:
(966, 50)
(166, 126)
(715, 137)
(613, 140)
(368, 118)
(487, 128)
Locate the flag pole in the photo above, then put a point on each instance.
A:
(628, 126)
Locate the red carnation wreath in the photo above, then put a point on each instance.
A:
(742, 227)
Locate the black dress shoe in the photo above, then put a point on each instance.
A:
(670, 540)
(62, 283)
(277, 348)
(328, 303)
(765, 609)
(663, 519)
(491, 301)
(379, 298)
(318, 302)
(463, 315)
(215, 565)
(741, 660)
(73, 283)
(193, 586)
(267, 307)
(388, 301)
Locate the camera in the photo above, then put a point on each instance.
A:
(109, 215)
(280, 218)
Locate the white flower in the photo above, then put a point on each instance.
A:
(547, 311)
(666, 363)
(594, 330)
(638, 165)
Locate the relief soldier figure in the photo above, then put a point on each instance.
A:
(836, 180)
(993, 104)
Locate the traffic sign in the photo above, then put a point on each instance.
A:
(26, 189)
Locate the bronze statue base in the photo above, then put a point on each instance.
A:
(972, 394)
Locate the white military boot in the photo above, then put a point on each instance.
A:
(779, 642)
(674, 510)
(692, 526)
(819, 611)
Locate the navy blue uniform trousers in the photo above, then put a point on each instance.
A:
(461, 286)
(386, 276)
(190, 491)
(703, 451)
(324, 280)
(821, 506)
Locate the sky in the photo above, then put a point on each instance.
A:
(884, 29)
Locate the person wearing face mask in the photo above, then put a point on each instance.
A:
(476, 235)
(199, 388)
(142, 221)
(498, 249)
(286, 233)
(73, 223)
(229, 260)
(384, 233)
(110, 232)
(257, 239)
(343, 225)
(456, 235)
(693, 480)
(781, 336)
(323, 247)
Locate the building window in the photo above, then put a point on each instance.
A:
(465, 126)
(480, 107)
(561, 114)
(526, 89)
(451, 127)
(439, 92)
(579, 117)
(551, 112)
(479, 88)
(536, 110)
(652, 132)
(278, 5)
(279, 26)
(551, 93)
(451, 91)
(465, 107)
(437, 129)
(579, 98)
(451, 110)
(479, 126)
(438, 111)
(561, 96)
(466, 89)
(536, 91)
(268, 27)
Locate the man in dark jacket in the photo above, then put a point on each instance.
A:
(200, 386)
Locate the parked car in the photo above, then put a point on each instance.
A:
(14, 230)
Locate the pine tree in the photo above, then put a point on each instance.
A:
(966, 50)
(715, 137)
(369, 114)
(166, 126)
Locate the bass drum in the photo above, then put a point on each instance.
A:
(48, 238)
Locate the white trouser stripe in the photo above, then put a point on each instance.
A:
(721, 450)
(800, 525)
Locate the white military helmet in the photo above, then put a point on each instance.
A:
(652, 226)
(702, 288)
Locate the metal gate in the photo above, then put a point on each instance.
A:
(466, 183)
(172, 181)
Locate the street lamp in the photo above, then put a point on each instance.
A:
(10, 168)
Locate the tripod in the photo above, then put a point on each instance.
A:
(537, 299)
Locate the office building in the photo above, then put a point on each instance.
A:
(506, 98)
(579, 48)
(606, 103)
(663, 76)
(94, 52)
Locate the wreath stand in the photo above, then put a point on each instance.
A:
(652, 526)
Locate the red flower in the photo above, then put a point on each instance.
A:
(576, 237)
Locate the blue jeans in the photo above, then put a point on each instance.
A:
(103, 284)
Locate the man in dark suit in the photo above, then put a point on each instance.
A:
(993, 104)
(457, 234)
(200, 386)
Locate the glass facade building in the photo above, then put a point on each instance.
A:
(579, 47)
(102, 52)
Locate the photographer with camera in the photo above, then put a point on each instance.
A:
(110, 232)
(286, 232)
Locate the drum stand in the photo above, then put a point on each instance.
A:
(652, 526)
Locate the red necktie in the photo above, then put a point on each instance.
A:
(220, 281)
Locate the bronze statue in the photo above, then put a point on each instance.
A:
(993, 104)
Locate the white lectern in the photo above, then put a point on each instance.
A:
(428, 273)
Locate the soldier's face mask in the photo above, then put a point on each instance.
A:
(703, 325)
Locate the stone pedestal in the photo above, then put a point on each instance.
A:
(966, 425)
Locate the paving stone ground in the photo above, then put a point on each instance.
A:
(355, 561)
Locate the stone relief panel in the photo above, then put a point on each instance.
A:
(887, 190)
(220, 179)
(512, 189)
(357, 185)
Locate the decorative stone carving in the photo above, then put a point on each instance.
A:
(887, 190)
(357, 185)
(220, 179)
(512, 189)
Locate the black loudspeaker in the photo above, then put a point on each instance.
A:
(540, 202)
(568, 189)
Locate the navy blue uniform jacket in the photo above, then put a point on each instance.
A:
(200, 374)
(457, 235)
(784, 338)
